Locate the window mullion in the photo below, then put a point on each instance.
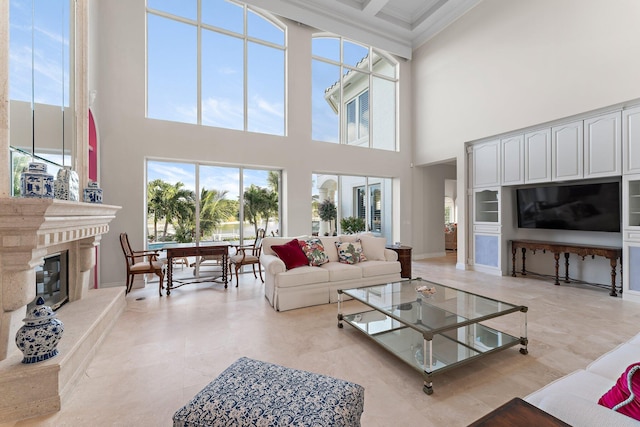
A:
(245, 71)
(199, 68)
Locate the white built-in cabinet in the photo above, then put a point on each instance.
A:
(513, 160)
(486, 164)
(631, 140)
(607, 145)
(603, 146)
(537, 149)
(487, 239)
(631, 237)
(566, 151)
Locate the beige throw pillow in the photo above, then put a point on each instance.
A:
(373, 247)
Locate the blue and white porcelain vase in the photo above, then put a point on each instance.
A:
(93, 193)
(39, 336)
(66, 185)
(36, 182)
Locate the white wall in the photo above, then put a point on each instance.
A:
(507, 65)
(432, 208)
(127, 137)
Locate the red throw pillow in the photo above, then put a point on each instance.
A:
(291, 254)
(627, 402)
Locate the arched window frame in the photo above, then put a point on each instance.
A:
(246, 39)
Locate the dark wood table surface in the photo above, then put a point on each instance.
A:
(518, 413)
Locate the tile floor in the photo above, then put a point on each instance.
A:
(163, 350)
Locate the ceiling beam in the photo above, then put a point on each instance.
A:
(372, 7)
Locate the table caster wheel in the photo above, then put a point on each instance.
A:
(524, 351)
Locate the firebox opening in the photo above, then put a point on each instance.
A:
(52, 283)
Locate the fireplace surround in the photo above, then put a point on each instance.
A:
(30, 230)
(52, 281)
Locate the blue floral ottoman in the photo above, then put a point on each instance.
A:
(255, 393)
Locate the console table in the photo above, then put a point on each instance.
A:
(191, 250)
(612, 253)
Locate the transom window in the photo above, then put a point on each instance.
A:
(216, 63)
(354, 91)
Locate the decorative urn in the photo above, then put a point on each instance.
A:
(39, 336)
(66, 185)
(93, 193)
(36, 182)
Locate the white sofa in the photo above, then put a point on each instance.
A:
(574, 397)
(306, 286)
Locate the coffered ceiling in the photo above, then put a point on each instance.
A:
(398, 26)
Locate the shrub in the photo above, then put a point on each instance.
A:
(352, 224)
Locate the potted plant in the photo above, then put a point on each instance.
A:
(327, 212)
(352, 224)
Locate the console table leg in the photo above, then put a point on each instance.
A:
(566, 267)
(613, 292)
(513, 260)
(169, 275)
(524, 269)
(556, 256)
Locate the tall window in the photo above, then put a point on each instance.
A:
(215, 63)
(367, 198)
(353, 94)
(188, 202)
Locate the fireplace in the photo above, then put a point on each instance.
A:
(52, 281)
(41, 241)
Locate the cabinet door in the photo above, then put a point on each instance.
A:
(566, 151)
(602, 146)
(486, 251)
(513, 160)
(631, 268)
(631, 140)
(537, 149)
(486, 164)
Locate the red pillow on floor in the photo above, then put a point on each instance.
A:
(620, 395)
(291, 254)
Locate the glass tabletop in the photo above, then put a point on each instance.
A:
(428, 306)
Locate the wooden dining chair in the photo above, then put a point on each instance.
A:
(141, 262)
(248, 255)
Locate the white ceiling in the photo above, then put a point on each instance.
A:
(398, 26)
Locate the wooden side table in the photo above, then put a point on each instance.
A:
(518, 412)
(404, 256)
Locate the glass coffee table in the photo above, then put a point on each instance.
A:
(432, 327)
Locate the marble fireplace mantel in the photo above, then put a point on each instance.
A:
(29, 230)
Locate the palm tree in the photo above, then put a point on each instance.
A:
(214, 210)
(179, 205)
(260, 204)
(157, 193)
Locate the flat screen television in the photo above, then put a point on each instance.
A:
(586, 207)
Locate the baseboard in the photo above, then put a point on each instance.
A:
(429, 255)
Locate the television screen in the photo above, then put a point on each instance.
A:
(587, 207)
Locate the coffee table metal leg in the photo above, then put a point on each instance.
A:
(339, 308)
(428, 384)
(524, 341)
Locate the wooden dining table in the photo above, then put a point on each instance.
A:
(201, 249)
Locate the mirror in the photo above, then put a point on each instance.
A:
(40, 84)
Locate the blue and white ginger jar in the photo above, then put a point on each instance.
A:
(39, 336)
(67, 185)
(36, 182)
(93, 193)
